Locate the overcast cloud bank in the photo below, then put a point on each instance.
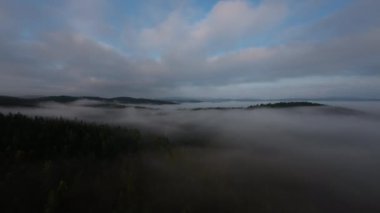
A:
(255, 49)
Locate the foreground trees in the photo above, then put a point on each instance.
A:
(56, 165)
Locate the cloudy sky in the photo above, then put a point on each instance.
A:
(191, 48)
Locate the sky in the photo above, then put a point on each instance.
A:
(191, 48)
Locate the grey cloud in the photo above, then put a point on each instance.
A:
(70, 61)
(356, 17)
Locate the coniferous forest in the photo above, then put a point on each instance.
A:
(57, 165)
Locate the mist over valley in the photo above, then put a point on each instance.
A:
(322, 157)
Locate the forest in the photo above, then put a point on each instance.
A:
(58, 165)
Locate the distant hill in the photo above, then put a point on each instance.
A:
(8, 101)
(268, 105)
(286, 105)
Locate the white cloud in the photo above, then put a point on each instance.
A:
(166, 35)
(230, 21)
(223, 27)
(87, 16)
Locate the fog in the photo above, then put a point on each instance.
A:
(313, 159)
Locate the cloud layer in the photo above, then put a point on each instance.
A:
(263, 49)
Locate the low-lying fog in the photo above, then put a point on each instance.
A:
(312, 159)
